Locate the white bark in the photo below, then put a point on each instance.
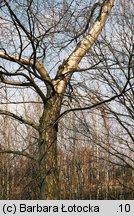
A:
(71, 64)
(83, 47)
(27, 61)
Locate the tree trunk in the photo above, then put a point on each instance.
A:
(48, 149)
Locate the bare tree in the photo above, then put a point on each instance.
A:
(33, 36)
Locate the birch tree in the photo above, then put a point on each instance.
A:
(30, 32)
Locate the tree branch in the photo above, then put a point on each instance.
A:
(25, 154)
(83, 47)
(88, 107)
(22, 102)
(33, 84)
(26, 61)
(70, 65)
(19, 118)
(14, 83)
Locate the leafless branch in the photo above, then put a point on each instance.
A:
(25, 154)
(19, 118)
